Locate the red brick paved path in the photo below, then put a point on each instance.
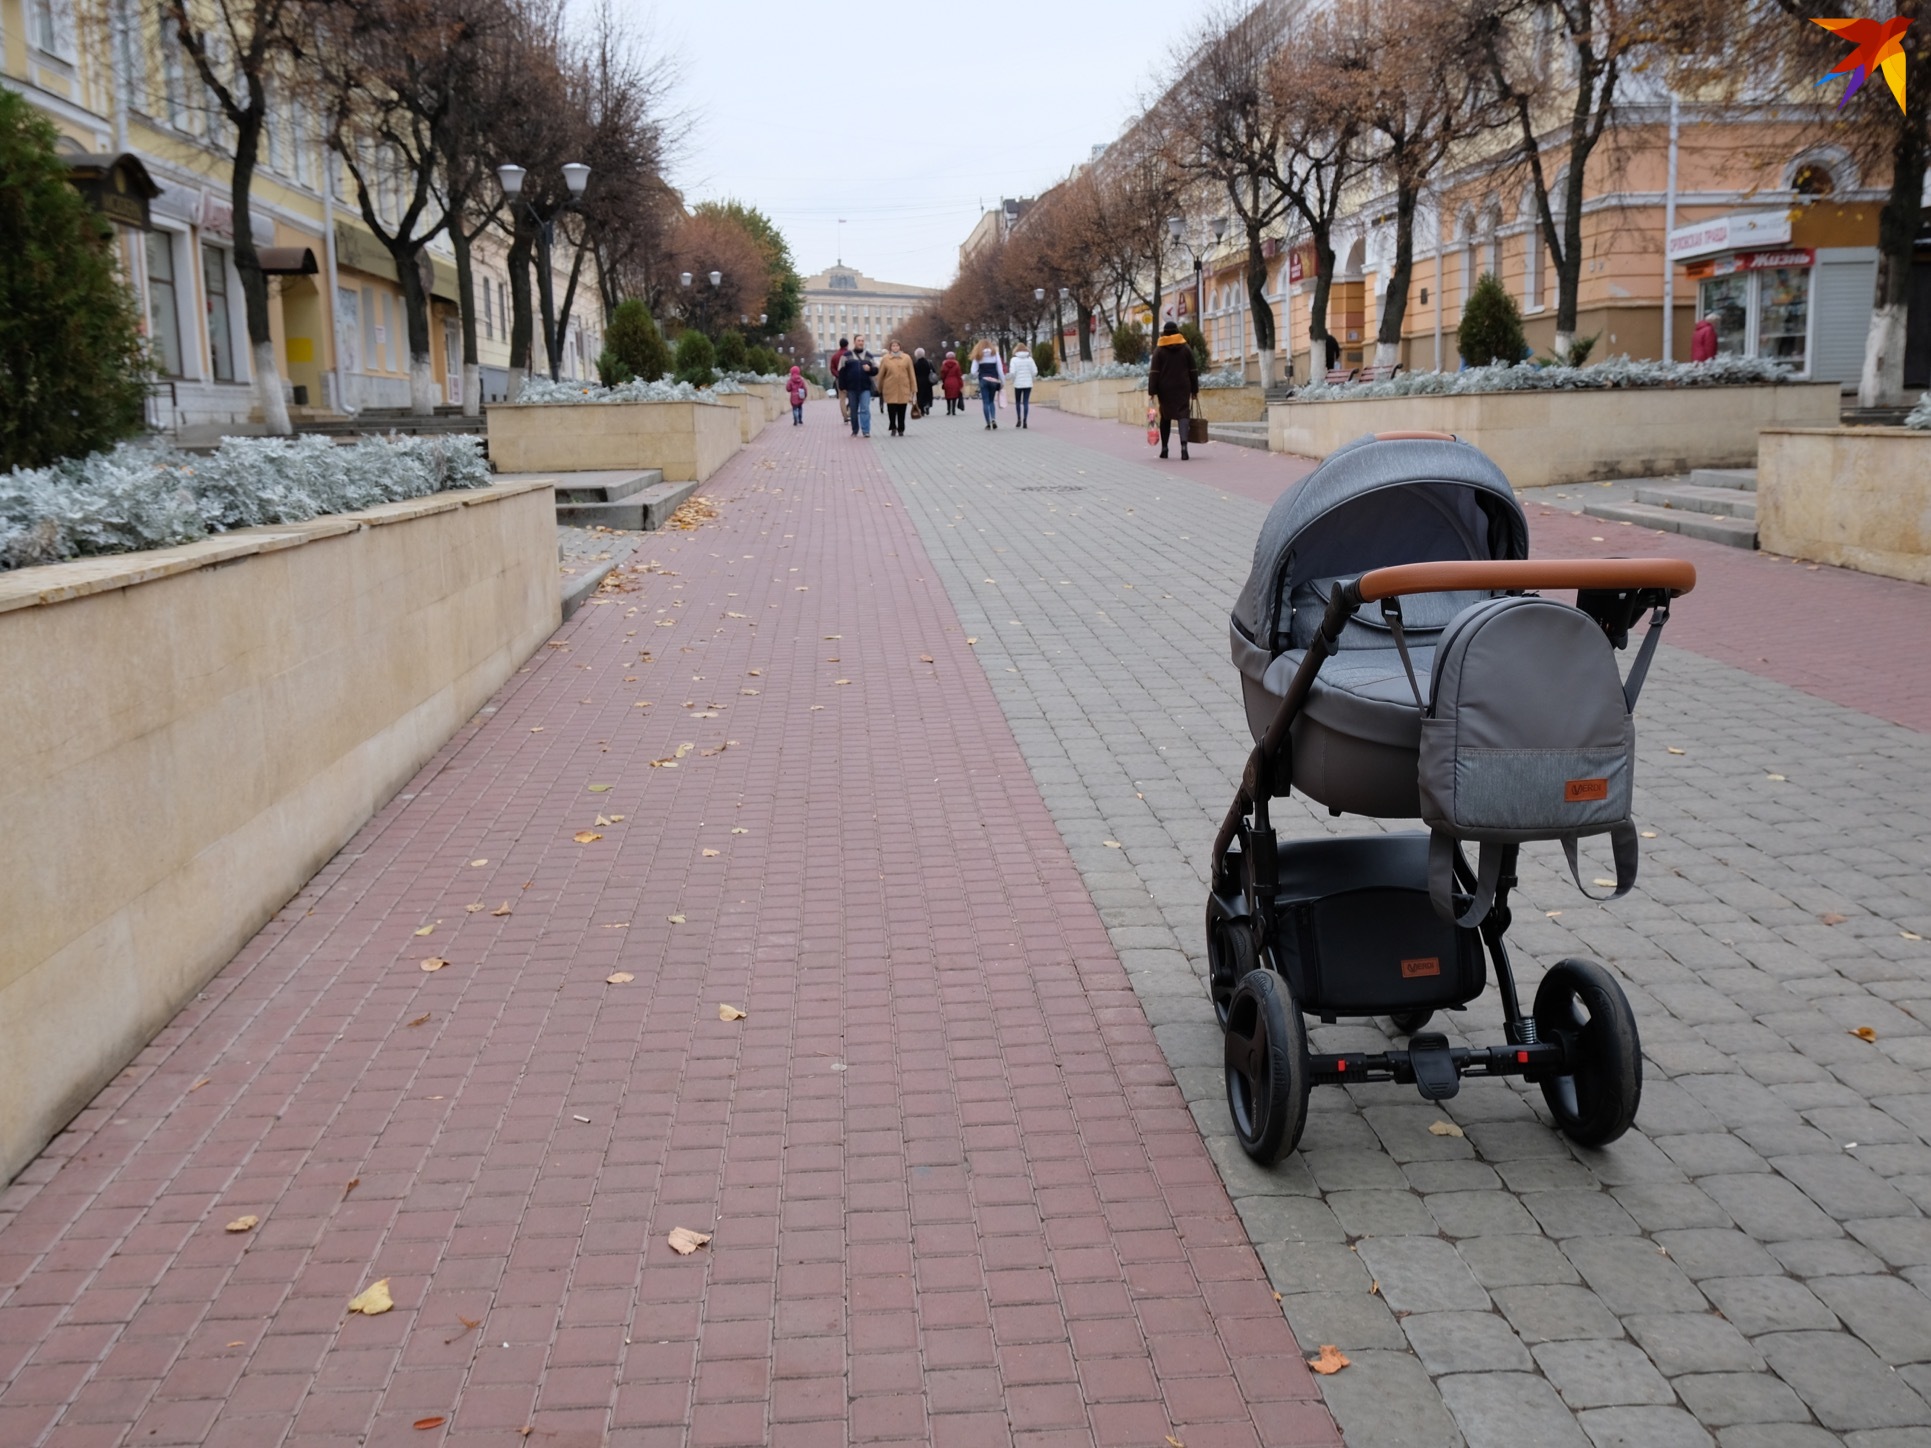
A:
(1855, 639)
(956, 1194)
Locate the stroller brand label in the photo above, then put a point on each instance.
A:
(1424, 965)
(1577, 790)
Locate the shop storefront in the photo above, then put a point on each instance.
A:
(1770, 296)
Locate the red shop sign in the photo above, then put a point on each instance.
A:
(1800, 256)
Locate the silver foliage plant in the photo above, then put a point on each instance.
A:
(1612, 372)
(1209, 381)
(1920, 416)
(143, 495)
(541, 389)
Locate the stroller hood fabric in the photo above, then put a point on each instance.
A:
(1375, 503)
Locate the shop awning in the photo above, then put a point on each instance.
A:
(287, 261)
(117, 186)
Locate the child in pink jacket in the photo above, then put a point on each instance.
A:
(795, 389)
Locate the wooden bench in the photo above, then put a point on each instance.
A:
(1335, 376)
(1378, 374)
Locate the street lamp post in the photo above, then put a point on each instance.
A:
(576, 176)
(1177, 229)
(704, 308)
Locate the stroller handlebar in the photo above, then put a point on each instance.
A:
(1675, 575)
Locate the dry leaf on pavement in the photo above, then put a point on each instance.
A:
(1445, 1128)
(1674, 750)
(729, 1013)
(1864, 1033)
(739, 830)
(1329, 1360)
(353, 1183)
(675, 919)
(243, 1224)
(426, 930)
(600, 789)
(711, 854)
(421, 1020)
(584, 837)
(477, 864)
(1173, 1442)
(373, 1300)
(622, 977)
(683, 1241)
(503, 909)
(682, 750)
(603, 820)
(472, 909)
(1833, 918)
(434, 963)
(1112, 844)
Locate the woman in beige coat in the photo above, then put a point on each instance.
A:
(898, 384)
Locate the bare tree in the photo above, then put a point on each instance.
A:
(240, 49)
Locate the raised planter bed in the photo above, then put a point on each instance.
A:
(1216, 404)
(1858, 497)
(686, 441)
(188, 734)
(751, 410)
(1539, 438)
(1098, 396)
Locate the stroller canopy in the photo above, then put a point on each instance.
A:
(1375, 503)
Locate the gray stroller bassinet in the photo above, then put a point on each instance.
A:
(1427, 529)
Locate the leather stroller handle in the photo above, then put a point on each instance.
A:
(1676, 575)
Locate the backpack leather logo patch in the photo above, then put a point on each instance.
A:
(1423, 965)
(1576, 791)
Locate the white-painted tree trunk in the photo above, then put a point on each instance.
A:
(268, 390)
(422, 386)
(1266, 356)
(514, 388)
(1882, 382)
(1562, 344)
(1386, 354)
(472, 390)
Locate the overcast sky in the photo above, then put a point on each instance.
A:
(907, 120)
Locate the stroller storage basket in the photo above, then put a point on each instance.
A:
(1358, 935)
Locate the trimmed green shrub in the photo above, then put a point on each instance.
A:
(1198, 343)
(635, 350)
(1046, 357)
(765, 361)
(1129, 343)
(732, 354)
(696, 359)
(73, 368)
(1491, 329)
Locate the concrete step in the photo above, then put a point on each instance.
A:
(604, 487)
(1854, 416)
(1741, 478)
(1726, 502)
(1711, 528)
(646, 510)
(1240, 434)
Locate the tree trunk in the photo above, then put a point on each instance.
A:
(466, 307)
(1394, 306)
(1258, 307)
(522, 332)
(254, 286)
(569, 301)
(1083, 323)
(1882, 382)
(415, 312)
(1317, 311)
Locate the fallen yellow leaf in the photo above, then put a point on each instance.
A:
(477, 864)
(927, 659)
(423, 1425)
(841, 681)
(420, 1020)
(1606, 884)
(1910, 935)
(503, 909)
(1674, 750)
(972, 640)
(1445, 1128)
(1649, 834)
(602, 820)
(199, 1084)
(585, 837)
(1173, 1442)
(1833, 918)
(373, 1300)
(243, 1224)
(1112, 844)
(622, 977)
(434, 963)
(682, 750)
(739, 830)
(427, 930)
(600, 789)
(729, 1013)
(472, 909)
(675, 919)
(1330, 1359)
(1777, 777)
(537, 730)
(1864, 1033)
(683, 1241)
(711, 854)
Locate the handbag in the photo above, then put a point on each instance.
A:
(1196, 429)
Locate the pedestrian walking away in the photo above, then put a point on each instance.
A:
(856, 380)
(897, 386)
(922, 369)
(795, 389)
(952, 383)
(837, 387)
(1173, 381)
(1703, 339)
(1022, 372)
(992, 376)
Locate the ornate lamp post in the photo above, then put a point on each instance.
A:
(576, 176)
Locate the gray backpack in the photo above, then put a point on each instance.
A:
(1527, 735)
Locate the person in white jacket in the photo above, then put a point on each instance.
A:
(991, 373)
(1022, 372)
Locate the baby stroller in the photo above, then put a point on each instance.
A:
(1528, 737)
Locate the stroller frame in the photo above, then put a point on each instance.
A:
(1592, 1079)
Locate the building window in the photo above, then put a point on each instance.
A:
(1783, 314)
(51, 27)
(1813, 179)
(164, 313)
(221, 335)
(489, 311)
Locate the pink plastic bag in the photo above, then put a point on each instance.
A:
(1153, 427)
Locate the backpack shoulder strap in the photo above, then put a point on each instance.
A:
(1441, 880)
(1622, 841)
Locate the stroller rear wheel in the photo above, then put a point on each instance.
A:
(1409, 1022)
(1231, 956)
(1267, 1066)
(1580, 1004)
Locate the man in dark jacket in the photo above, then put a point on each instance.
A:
(855, 381)
(837, 363)
(1173, 380)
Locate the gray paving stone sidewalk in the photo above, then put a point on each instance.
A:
(1750, 1266)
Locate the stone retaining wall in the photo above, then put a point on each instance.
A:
(1539, 438)
(188, 734)
(1216, 404)
(1859, 497)
(1098, 396)
(686, 441)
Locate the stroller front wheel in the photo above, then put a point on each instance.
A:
(1231, 957)
(1580, 1004)
(1409, 1023)
(1267, 1066)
